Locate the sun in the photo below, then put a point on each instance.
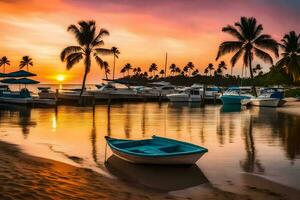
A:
(60, 78)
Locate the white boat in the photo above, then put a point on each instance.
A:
(114, 91)
(211, 91)
(186, 95)
(269, 97)
(162, 89)
(72, 94)
(46, 93)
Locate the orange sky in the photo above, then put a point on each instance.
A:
(189, 30)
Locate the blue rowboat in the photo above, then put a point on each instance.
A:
(157, 150)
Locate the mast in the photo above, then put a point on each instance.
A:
(166, 62)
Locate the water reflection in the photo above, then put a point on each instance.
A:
(157, 177)
(93, 138)
(21, 114)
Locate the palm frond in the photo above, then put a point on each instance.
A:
(228, 47)
(236, 57)
(266, 42)
(78, 35)
(73, 59)
(69, 50)
(263, 55)
(234, 32)
(99, 61)
(103, 51)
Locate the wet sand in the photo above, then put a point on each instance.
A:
(23, 176)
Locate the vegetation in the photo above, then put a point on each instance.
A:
(25, 62)
(290, 61)
(3, 62)
(89, 44)
(249, 42)
(116, 53)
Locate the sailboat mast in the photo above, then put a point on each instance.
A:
(166, 62)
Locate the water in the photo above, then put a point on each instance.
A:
(258, 140)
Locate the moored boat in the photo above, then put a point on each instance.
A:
(235, 95)
(157, 150)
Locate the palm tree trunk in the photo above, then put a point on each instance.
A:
(87, 63)
(4, 68)
(252, 77)
(106, 76)
(114, 67)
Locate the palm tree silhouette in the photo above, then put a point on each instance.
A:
(250, 41)
(195, 72)
(190, 66)
(222, 66)
(153, 68)
(89, 44)
(209, 68)
(123, 70)
(26, 61)
(116, 53)
(178, 70)
(173, 68)
(3, 62)
(162, 73)
(127, 68)
(290, 44)
(257, 69)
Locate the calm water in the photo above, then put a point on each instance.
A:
(260, 141)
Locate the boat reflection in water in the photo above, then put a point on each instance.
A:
(231, 108)
(157, 177)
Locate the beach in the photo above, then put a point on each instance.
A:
(27, 177)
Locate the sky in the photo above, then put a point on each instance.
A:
(189, 30)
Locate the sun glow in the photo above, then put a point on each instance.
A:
(60, 78)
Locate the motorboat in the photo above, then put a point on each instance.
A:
(46, 93)
(157, 150)
(162, 89)
(269, 97)
(186, 95)
(235, 95)
(114, 91)
(211, 91)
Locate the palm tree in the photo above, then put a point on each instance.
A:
(153, 68)
(178, 70)
(185, 70)
(162, 73)
(123, 70)
(127, 68)
(250, 41)
(26, 61)
(173, 68)
(258, 69)
(205, 71)
(106, 69)
(290, 44)
(116, 53)
(190, 67)
(210, 68)
(89, 44)
(222, 66)
(4, 61)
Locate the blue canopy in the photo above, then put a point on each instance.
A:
(20, 81)
(20, 73)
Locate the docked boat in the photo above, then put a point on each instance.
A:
(235, 95)
(186, 95)
(46, 93)
(269, 97)
(162, 89)
(157, 150)
(114, 91)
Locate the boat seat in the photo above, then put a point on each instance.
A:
(146, 150)
(169, 148)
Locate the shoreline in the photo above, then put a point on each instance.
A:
(292, 107)
(25, 176)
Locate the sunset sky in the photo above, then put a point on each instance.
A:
(189, 30)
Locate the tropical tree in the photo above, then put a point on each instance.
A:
(137, 71)
(290, 44)
(190, 66)
(162, 73)
(185, 71)
(173, 68)
(127, 68)
(177, 70)
(123, 70)
(3, 62)
(221, 67)
(115, 51)
(249, 42)
(106, 69)
(257, 69)
(153, 68)
(25, 62)
(89, 41)
(205, 71)
(209, 68)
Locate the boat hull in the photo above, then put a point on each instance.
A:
(172, 160)
(265, 102)
(233, 99)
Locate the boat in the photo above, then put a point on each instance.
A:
(186, 95)
(235, 95)
(162, 89)
(114, 90)
(157, 150)
(269, 97)
(46, 93)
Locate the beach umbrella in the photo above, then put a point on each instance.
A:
(8, 81)
(25, 81)
(20, 73)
